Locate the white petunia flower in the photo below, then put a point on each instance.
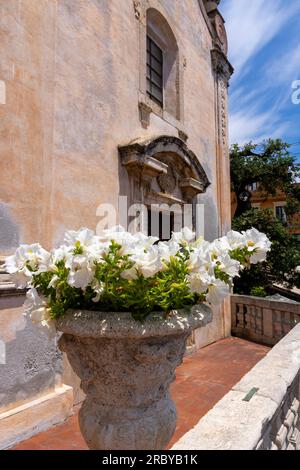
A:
(199, 282)
(257, 243)
(167, 250)
(217, 292)
(234, 239)
(63, 253)
(81, 271)
(36, 309)
(148, 263)
(185, 235)
(200, 259)
(118, 234)
(27, 259)
(84, 236)
(229, 266)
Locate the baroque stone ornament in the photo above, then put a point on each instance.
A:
(221, 33)
(167, 182)
(125, 368)
(137, 8)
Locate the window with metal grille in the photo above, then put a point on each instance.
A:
(281, 214)
(160, 225)
(154, 72)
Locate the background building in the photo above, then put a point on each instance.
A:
(275, 203)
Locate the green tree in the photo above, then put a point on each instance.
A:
(272, 166)
(282, 259)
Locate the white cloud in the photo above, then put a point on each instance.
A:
(252, 124)
(291, 70)
(251, 25)
(256, 107)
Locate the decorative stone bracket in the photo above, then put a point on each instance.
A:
(191, 188)
(135, 160)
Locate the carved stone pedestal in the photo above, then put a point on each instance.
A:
(126, 368)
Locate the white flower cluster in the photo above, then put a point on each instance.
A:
(211, 268)
(207, 259)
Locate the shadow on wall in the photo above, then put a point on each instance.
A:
(32, 361)
(9, 230)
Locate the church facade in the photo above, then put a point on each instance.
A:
(101, 102)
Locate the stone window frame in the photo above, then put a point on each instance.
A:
(164, 37)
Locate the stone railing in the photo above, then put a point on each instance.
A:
(264, 321)
(261, 412)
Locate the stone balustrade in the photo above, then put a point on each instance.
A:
(264, 321)
(261, 412)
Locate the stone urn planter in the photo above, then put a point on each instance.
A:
(125, 368)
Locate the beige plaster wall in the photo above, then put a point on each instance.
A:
(71, 70)
(70, 78)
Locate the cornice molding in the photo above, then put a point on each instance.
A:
(220, 64)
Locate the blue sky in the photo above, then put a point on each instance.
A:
(264, 48)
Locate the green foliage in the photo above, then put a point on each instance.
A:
(271, 165)
(258, 292)
(282, 259)
(166, 290)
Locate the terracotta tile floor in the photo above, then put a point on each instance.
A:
(201, 381)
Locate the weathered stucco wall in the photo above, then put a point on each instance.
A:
(32, 360)
(72, 74)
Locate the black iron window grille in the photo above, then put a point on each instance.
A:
(154, 72)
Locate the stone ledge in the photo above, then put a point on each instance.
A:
(235, 424)
(38, 415)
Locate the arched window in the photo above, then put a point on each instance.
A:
(162, 64)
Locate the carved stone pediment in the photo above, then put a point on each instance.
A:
(169, 167)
